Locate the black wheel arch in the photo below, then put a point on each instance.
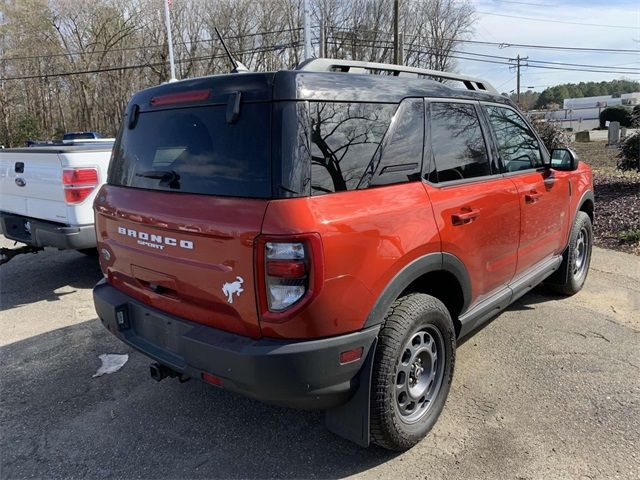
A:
(586, 204)
(432, 263)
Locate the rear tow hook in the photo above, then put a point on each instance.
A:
(159, 372)
(7, 254)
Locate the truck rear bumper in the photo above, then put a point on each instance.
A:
(298, 374)
(41, 233)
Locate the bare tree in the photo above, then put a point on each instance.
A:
(74, 65)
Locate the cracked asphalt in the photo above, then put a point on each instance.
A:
(548, 389)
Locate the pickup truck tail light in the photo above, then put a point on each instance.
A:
(289, 273)
(78, 183)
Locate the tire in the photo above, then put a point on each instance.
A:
(577, 258)
(416, 326)
(89, 252)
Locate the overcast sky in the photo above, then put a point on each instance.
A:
(496, 23)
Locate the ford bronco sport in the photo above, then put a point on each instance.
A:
(320, 238)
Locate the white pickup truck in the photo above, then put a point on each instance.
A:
(47, 193)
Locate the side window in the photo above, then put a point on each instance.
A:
(399, 158)
(518, 146)
(457, 144)
(344, 139)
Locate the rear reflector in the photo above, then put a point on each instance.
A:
(78, 183)
(351, 355)
(212, 379)
(182, 97)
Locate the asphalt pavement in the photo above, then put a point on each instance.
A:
(549, 389)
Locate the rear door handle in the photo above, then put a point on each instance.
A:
(465, 216)
(532, 197)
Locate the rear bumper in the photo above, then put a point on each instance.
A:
(47, 234)
(298, 374)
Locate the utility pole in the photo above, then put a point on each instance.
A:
(167, 20)
(518, 83)
(396, 36)
(323, 40)
(518, 64)
(307, 31)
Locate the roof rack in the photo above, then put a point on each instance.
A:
(352, 66)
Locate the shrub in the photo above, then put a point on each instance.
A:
(631, 236)
(635, 117)
(26, 129)
(552, 136)
(629, 156)
(616, 114)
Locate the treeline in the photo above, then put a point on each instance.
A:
(559, 93)
(73, 65)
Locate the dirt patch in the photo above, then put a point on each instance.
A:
(617, 224)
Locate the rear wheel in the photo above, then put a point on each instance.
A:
(412, 371)
(577, 257)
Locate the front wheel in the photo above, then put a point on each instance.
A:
(577, 258)
(412, 371)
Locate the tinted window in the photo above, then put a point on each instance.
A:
(457, 144)
(518, 146)
(399, 158)
(344, 139)
(291, 152)
(195, 150)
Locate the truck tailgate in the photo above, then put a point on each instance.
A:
(27, 184)
(31, 181)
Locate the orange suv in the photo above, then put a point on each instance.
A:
(320, 238)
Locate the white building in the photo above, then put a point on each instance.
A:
(584, 113)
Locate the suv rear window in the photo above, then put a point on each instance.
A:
(195, 150)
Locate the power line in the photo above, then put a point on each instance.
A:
(421, 49)
(547, 20)
(621, 51)
(616, 72)
(149, 65)
(527, 3)
(143, 47)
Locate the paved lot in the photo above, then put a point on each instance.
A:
(549, 389)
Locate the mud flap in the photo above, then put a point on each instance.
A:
(352, 420)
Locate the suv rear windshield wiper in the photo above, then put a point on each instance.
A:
(168, 178)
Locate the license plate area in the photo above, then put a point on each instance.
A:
(18, 228)
(159, 331)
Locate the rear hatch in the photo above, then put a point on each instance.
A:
(188, 187)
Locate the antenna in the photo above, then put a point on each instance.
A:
(238, 67)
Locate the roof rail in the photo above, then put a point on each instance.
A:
(352, 66)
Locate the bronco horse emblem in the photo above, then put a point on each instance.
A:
(234, 287)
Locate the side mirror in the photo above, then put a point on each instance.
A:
(563, 159)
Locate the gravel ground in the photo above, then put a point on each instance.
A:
(617, 197)
(549, 389)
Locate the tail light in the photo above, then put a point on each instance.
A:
(78, 183)
(289, 273)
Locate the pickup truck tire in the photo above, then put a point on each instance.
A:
(577, 257)
(412, 371)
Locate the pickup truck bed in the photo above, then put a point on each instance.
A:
(46, 194)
